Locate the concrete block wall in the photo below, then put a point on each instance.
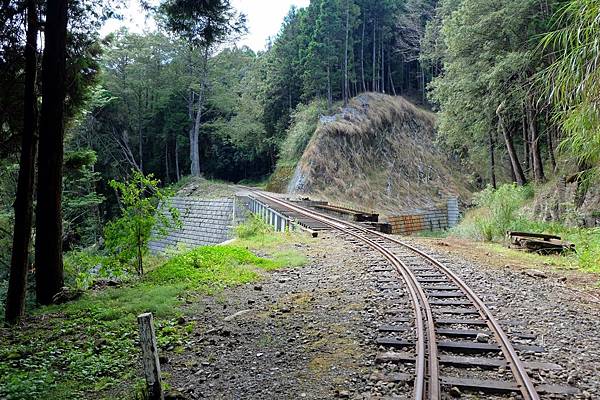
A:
(204, 222)
(433, 219)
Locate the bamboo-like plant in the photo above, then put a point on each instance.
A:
(573, 78)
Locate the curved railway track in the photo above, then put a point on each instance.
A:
(433, 288)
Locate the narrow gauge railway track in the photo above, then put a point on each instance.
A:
(433, 288)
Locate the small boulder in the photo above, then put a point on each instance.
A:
(482, 338)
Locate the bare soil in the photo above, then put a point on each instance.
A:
(309, 332)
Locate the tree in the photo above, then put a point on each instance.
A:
(144, 210)
(486, 83)
(48, 249)
(203, 24)
(572, 81)
(24, 197)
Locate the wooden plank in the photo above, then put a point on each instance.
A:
(450, 303)
(456, 321)
(533, 235)
(465, 333)
(393, 328)
(490, 386)
(493, 363)
(393, 342)
(394, 357)
(474, 347)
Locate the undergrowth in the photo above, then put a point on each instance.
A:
(87, 348)
(498, 211)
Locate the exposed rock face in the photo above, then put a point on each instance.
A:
(566, 201)
(380, 153)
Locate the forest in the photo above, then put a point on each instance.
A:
(86, 120)
(185, 100)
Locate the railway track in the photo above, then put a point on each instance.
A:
(449, 320)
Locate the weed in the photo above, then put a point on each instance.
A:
(253, 227)
(86, 348)
(499, 211)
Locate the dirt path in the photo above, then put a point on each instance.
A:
(309, 332)
(297, 334)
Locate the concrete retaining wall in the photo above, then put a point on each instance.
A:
(204, 222)
(433, 219)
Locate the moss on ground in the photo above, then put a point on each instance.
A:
(87, 348)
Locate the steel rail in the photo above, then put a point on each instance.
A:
(523, 380)
(418, 297)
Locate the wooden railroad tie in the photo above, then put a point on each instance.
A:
(539, 243)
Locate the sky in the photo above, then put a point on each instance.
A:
(264, 19)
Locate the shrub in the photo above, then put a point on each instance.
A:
(144, 211)
(254, 226)
(497, 211)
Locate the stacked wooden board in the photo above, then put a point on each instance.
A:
(539, 243)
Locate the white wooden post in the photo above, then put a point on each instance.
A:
(150, 357)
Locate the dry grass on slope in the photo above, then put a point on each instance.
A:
(378, 153)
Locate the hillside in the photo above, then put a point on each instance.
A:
(379, 153)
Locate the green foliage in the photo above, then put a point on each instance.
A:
(254, 226)
(87, 348)
(500, 210)
(497, 212)
(572, 80)
(304, 123)
(144, 211)
(488, 59)
(82, 224)
(213, 266)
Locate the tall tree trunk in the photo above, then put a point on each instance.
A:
(373, 87)
(512, 154)
(382, 69)
(362, 56)
(526, 154)
(178, 174)
(48, 249)
(551, 147)
(195, 134)
(17, 283)
(393, 89)
(538, 166)
(329, 94)
(167, 180)
(492, 159)
(346, 83)
(140, 136)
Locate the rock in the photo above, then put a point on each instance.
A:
(237, 314)
(285, 309)
(342, 394)
(173, 394)
(455, 392)
(66, 294)
(535, 273)
(482, 338)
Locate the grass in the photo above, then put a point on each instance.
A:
(87, 348)
(500, 210)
